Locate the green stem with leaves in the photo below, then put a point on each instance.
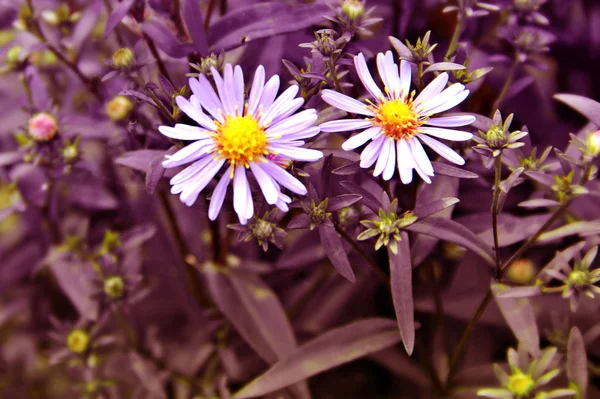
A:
(455, 36)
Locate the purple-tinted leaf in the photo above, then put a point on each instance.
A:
(32, 183)
(511, 229)
(434, 207)
(332, 243)
(444, 66)
(117, 15)
(586, 106)
(300, 221)
(538, 203)
(194, 21)
(41, 99)
(582, 228)
(346, 170)
(449, 230)
(506, 185)
(401, 285)
(368, 199)
(519, 86)
(452, 171)
(255, 312)
(342, 201)
(166, 40)
(93, 195)
(139, 159)
(519, 316)
(85, 25)
(262, 20)
(542, 178)
(520, 292)
(155, 171)
(166, 85)
(400, 47)
(335, 347)
(577, 363)
(313, 75)
(9, 158)
(139, 96)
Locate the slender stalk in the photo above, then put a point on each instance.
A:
(420, 75)
(27, 89)
(334, 77)
(156, 55)
(509, 79)
(439, 307)
(455, 36)
(495, 206)
(209, 12)
(384, 278)
(109, 10)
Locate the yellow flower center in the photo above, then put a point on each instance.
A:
(520, 384)
(114, 287)
(78, 340)
(397, 119)
(241, 140)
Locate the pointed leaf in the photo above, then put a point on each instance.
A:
(452, 171)
(435, 207)
(332, 243)
(519, 316)
(538, 203)
(586, 106)
(331, 349)
(117, 15)
(444, 66)
(582, 228)
(193, 17)
(139, 159)
(451, 231)
(520, 292)
(342, 201)
(368, 199)
(577, 363)
(401, 285)
(165, 39)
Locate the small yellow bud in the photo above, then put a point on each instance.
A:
(78, 341)
(353, 8)
(521, 271)
(520, 384)
(593, 143)
(70, 153)
(123, 58)
(118, 108)
(114, 287)
(13, 55)
(42, 127)
(6, 36)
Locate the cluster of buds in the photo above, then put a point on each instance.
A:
(497, 138)
(529, 10)
(526, 376)
(589, 146)
(471, 8)
(420, 52)
(352, 17)
(204, 67)
(62, 17)
(465, 76)
(387, 227)
(527, 40)
(565, 190)
(264, 229)
(532, 162)
(326, 44)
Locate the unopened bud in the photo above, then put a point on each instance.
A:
(78, 340)
(593, 143)
(521, 271)
(114, 287)
(353, 8)
(123, 58)
(13, 55)
(43, 127)
(118, 108)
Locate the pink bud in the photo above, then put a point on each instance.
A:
(43, 127)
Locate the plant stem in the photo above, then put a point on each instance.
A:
(209, 11)
(495, 206)
(509, 79)
(455, 36)
(384, 278)
(439, 307)
(336, 82)
(156, 55)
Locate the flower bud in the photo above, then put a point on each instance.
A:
(353, 8)
(118, 108)
(123, 58)
(13, 55)
(42, 127)
(114, 287)
(593, 143)
(78, 341)
(521, 271)
(520, 384)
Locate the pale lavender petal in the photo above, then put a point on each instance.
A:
(282, 177)
(238, 87)
(218, 195)
(371, 152)
(184, 132)
(298, 154)
(420, 156)
(361, 138)
(282, 202)
(207, 96)
(195, 102)
(191, 170)
(299, 121)
(405, 78)
(269, 114)
(188, 153)
(447, 99)
(345, 103)
(433, 89)
(383, 156)
(459, 98)
(365, 77)
(288, 109)
(388, 172)
(405, 161)
(227, 106)
(195, 113)
(442, 149)
(267, 185)
(256, 90)
(389, 74)
(193, 188)
(229, 92)
(422, 173)
(451, 121)
(240, 191)
(344, 125)
(269, 93)
(448, 134)
(302, 134)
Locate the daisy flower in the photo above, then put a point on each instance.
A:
(241, 135)
(396, 123)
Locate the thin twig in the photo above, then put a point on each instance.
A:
(495, 206)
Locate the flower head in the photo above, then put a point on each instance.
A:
(42, 127)
(241, 134)
(396, 123)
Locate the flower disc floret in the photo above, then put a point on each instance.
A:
(78, 341)
(397, 119)
(241, 140)
(520, 384)
(114, 287)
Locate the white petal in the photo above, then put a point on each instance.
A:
(447, 99)
(238, 87)
(203, 90)
(191, 171)
(250, 207)
(195, 113)
(344, 125)
(184, 132)
(267, 185)
(275, 109)
(442, 149)
(228, 108)
(371, 152)
(299, 121)
(256, 90)
(345, 103)
(384, 154)
(218, 195)
(361, 138)
(405, 161)
(298, 154)
(433, 89)
(193, 188)
(301, 134)
(365, 77)
(422, 173)
(405, 78)
(448, 134)
(282, 177)
(189, 153)
(388, 71)
(451, 121)
(390, 166)
(240, 191)
(288, 109)
(420, 156)
(269, 93)
(230, 91)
